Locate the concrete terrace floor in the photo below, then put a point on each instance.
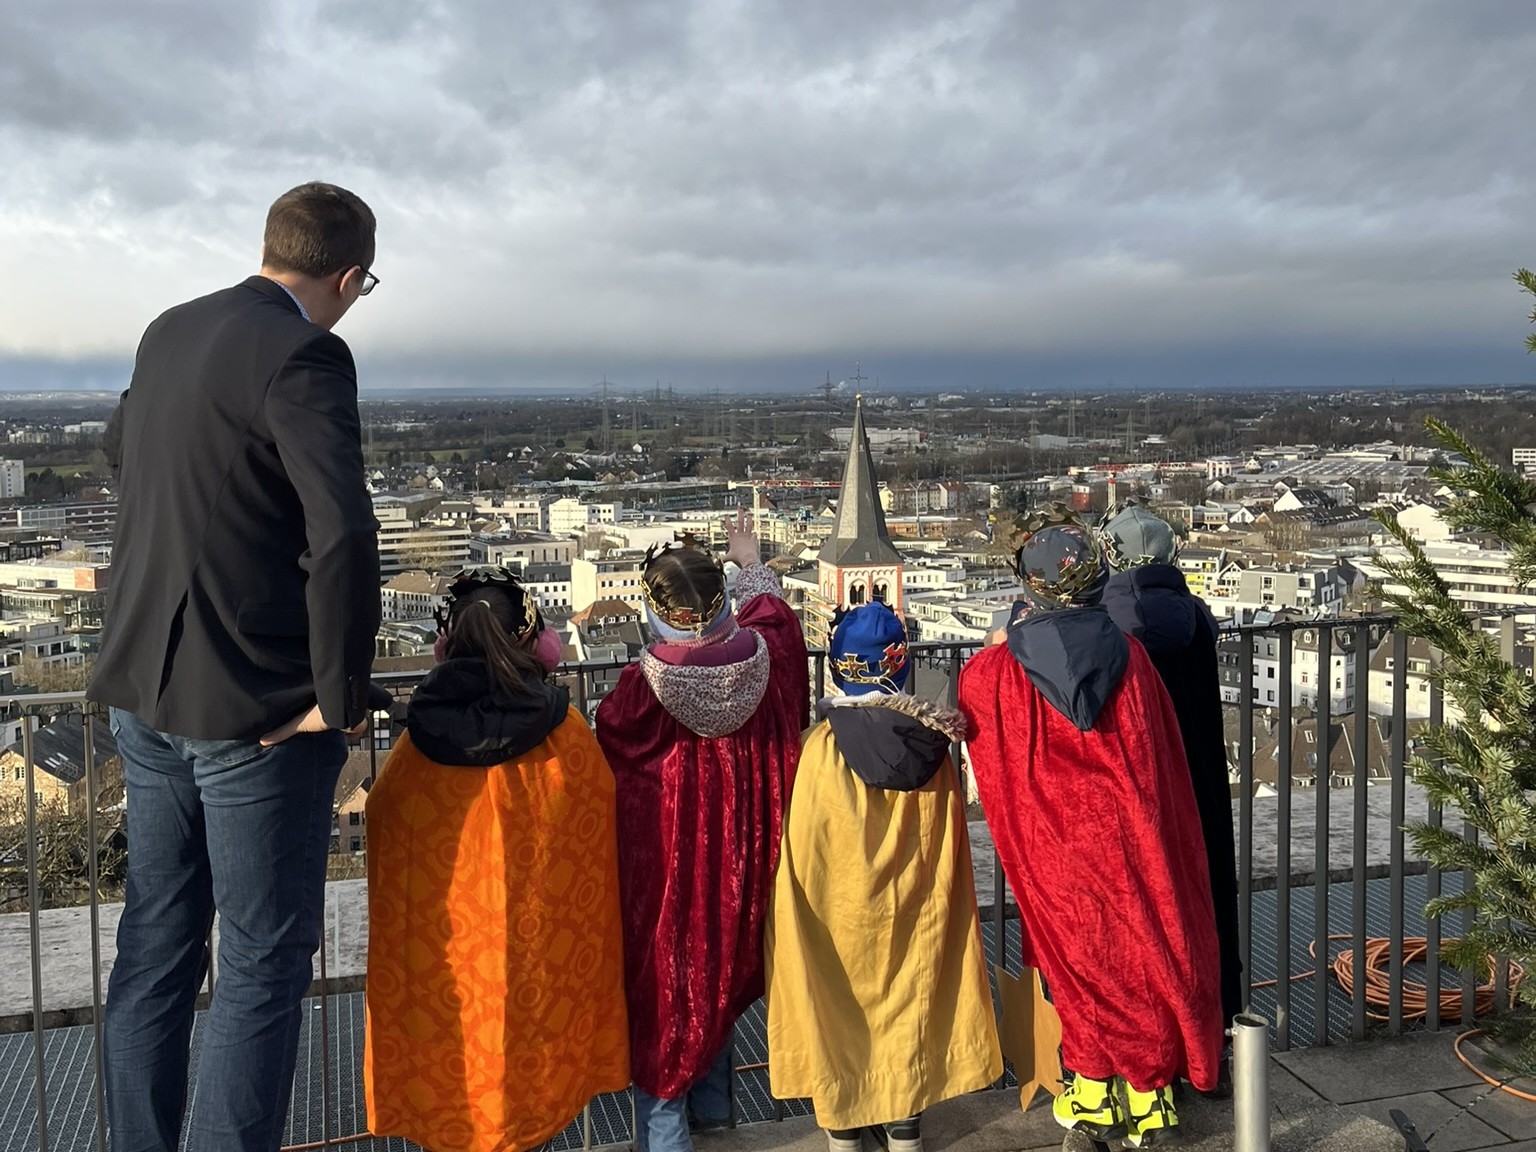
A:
(1323, 1100)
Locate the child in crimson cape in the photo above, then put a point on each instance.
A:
(1082, 775)
(703, 735)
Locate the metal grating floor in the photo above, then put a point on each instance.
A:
(71, 1071)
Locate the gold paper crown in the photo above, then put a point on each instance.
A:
(468, 579)
(682, 618)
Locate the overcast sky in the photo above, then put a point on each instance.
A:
(749, 193)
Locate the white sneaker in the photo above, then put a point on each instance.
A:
(845, 1141)
(904, 1136)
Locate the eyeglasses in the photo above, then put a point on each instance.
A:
(370, 282)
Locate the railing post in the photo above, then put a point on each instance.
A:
(93, 878)
(1323, 784)
(1245, 813)
(1433, 933)
(34, 901)
(1362, 762)
(1399, 769)
(1283, 769)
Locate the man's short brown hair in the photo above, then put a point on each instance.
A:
(318, 230)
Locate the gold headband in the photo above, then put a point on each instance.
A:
(683, 619)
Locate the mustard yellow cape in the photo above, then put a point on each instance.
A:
(495, 958)
(878, 1005)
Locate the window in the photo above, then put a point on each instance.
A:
(1304, 679)
(354, 818)
(357, 844)
(1270, 672)
(1337, 683)
(1311, 736)
(1270, 695)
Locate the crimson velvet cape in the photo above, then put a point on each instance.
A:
(699, 823)
(1100, 839)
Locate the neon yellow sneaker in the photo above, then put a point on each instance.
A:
(1150, 1117)
(1090, 1107)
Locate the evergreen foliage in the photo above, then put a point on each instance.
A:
(1483, 765)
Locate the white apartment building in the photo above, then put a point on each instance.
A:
(413, 596)
(569, 516)
(66, 575)
(13, 479)
(527, 512)
(406, 544)
(611, 577)
(1306, 684)
(551, 583)
(1478, 577)
(518, 551)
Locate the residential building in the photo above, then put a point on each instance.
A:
(611, 576)
(58, 755)
(13, 479)
(551, 583)
(88, 521)
(521, 549)
(69, 575)
(405, 543)
(571, 517)
(413, 595)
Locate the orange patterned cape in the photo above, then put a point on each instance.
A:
(495, 962)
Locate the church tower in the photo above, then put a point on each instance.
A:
(858, 562)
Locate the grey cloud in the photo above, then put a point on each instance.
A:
(649, 178)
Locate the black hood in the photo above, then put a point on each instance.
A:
(457, 717)
(1075, 657)
(1155, 605)
(892, 741)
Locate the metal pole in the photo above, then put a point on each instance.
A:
(1283, 850)
(1323, 782)
(325, 1037)
(1245, 812)
(1433, 933)
(1399, 818)
(1362, 765)
(93, 877)
(34, 899)
(1250, 1083)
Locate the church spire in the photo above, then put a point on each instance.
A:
(859, 536)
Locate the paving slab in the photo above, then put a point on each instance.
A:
(1444, 1126)
(1383, 1069)
(992, 1122)
(1514, 1117)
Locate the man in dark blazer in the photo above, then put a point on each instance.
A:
(238, 641)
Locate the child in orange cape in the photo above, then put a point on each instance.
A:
(495, 957)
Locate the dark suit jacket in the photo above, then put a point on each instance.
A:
(245, 571)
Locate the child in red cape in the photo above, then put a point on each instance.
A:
(703, 735)
(1081, 773)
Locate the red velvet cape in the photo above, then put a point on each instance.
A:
(699, 822)
(1100, 839)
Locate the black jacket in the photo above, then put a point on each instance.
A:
(1076, 657)
(892, 741)
(457, 716)
(1154, 604)
(245, 571)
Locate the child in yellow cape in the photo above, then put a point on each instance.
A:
(495, 958)
(878, 1005)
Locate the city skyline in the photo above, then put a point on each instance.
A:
(987, 195)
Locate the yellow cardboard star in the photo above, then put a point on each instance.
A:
(1031, 1034)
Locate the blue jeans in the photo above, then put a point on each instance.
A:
(232, 826)
(662, 1125)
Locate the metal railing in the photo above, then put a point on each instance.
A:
(936, 670)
